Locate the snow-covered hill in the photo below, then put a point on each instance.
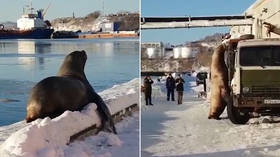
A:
(91, 22)
(88, 23)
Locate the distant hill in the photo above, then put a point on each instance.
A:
(217, 37)
(85, 23)
(206, 48)
(128, 22)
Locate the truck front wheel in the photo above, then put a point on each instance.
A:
(236, 116)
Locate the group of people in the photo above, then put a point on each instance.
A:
(171, 84)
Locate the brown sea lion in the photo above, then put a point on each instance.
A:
(69, 90)
(219, 87)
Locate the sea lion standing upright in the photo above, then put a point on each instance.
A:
(219, 88)
(69, 90)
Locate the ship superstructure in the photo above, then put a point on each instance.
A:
(29, 26)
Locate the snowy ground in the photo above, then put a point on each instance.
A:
(50, 137)
(183, 130)
(125, 144)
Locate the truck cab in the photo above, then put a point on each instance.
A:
(254, 78)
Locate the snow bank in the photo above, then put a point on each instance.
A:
(47, 137)
(6, 131)
(125, 144)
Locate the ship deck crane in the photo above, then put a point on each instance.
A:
(45, 10)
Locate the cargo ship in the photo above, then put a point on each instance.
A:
(29, 26)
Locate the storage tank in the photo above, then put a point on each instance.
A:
(150, 52)
(186, 52)
(177, 52)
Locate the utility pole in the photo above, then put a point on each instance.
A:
(103, 10)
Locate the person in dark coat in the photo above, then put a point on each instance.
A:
(148, 90)
(180, 88)
(170, 86)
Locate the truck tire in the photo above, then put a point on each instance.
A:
(235, 116)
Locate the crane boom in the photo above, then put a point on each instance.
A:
(45, 10)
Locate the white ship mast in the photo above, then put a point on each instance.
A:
(30, 7)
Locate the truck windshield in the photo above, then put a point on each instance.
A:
(260, 56)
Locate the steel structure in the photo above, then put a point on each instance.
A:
(192, 22)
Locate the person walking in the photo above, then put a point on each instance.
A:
(148, 90)
(170, 86)
(180, 88)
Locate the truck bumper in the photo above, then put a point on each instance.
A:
(258, 102)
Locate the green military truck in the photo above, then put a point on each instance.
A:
(254, 78)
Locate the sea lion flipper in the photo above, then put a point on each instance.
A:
(107, 120)
(108, 126)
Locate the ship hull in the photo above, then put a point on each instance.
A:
(26, 34)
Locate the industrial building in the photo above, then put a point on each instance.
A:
(109, 27)
(159, 50)
(152, 50)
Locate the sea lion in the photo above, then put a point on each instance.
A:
(69, 90)
(219, 88)
(8, 100)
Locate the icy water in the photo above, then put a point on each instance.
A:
(23, 63)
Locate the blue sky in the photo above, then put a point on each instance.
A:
(12, 9)
(188, 8)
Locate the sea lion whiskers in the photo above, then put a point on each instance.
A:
(33, 111)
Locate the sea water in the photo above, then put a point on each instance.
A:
(23, 63)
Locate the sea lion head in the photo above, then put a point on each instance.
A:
(73, 64)
(77, 57)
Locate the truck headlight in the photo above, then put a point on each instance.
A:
(245, 89)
